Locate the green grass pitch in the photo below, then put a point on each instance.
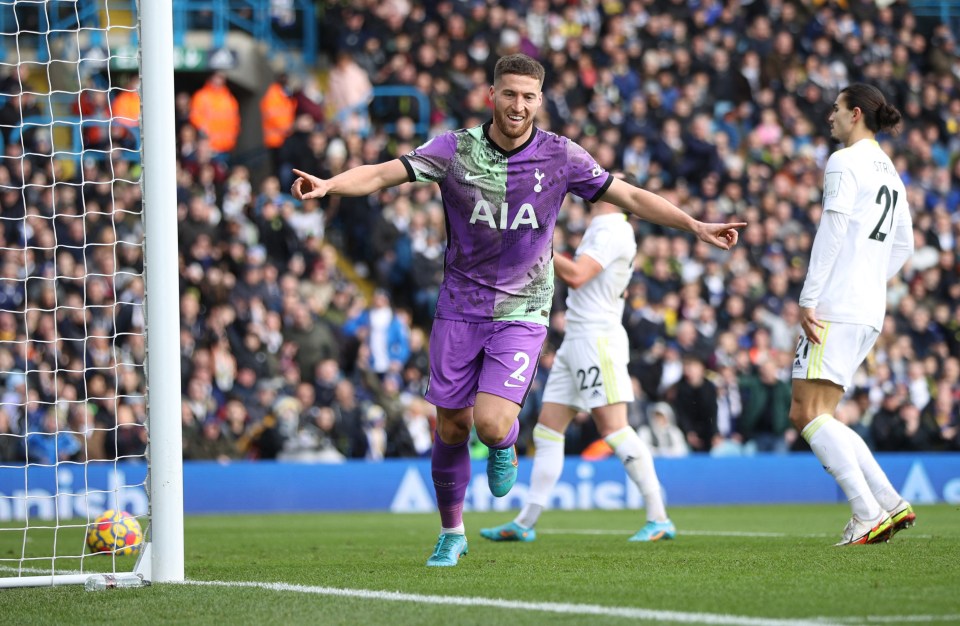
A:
(740, 565)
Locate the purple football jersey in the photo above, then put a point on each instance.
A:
(501, 209)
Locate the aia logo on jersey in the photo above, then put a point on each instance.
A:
(505, 218)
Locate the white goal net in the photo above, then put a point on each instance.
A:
(77, 423)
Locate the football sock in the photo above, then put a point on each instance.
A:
(547, 466)
(509, 440)
(528, 515)
(877, 479)
(450, 467)
(638, 462)
(829, 440)
(459, 530)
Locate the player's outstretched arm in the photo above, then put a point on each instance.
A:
(653, 208)
(358, 181)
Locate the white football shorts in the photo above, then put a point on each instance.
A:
(842, 349)
(590, 372)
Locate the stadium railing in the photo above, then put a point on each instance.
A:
(381, 92)
(297, 35)
(948, 11)
(56, 17)
(254, 17)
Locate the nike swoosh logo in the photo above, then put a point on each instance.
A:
(507, 383)
(469, 177)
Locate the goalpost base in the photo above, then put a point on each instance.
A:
(45, 581)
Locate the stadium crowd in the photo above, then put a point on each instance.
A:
(303, 327)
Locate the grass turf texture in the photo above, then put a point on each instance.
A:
(580, 557)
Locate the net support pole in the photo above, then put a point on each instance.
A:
(162, 299)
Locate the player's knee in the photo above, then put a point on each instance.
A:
(452, 432)
(493, 431)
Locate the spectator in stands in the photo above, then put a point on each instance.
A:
(131, 437)
(662, 434)
(728, 441)
(320, 439)
(374, 430)
(236, 426)
(906, 430)
(11, 449)
(349, 93)
(276, 234)
(412, 435)
(304, 144)
(700, 157)
(277, 111)
(208, 443)
(944, 413)
(199, 400)
(93, 104)
(764, 423)
(47, 444)
(385, 331)
(694, 399)
(349, 412)
(309, 99)
(125, 108)
(215, 112)
(16, 108)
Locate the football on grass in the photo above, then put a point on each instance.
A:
(115, 531)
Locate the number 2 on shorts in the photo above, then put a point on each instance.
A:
(518, 373)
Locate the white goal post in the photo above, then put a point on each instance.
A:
(89, 306)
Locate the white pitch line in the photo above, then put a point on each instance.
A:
(898, 619)
(713, 533)
(704, 533)
(679, 617)
(577, 609)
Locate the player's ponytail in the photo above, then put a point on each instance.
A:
(888, 117)
(878, 114)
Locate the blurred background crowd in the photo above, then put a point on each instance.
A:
(304, 325)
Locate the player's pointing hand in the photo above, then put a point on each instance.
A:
(723, 236)
(307, 186)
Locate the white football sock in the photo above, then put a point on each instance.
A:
(877, 479)
(459, 530)
(829, 440)
(547, 467)
(638, 462)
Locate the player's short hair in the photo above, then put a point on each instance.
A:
(877, 113)
(519, 64)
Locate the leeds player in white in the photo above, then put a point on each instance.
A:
(864, 238)
(590, 373)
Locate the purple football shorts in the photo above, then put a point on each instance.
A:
(498, 358)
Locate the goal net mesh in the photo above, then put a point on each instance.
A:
(73, 410)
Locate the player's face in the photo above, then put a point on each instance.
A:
(516, 100)
(840, 120)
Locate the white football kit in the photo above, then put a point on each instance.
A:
(864, 238)
(590, 368)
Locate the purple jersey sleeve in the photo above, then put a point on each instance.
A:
(585, 177)
(430, 162)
